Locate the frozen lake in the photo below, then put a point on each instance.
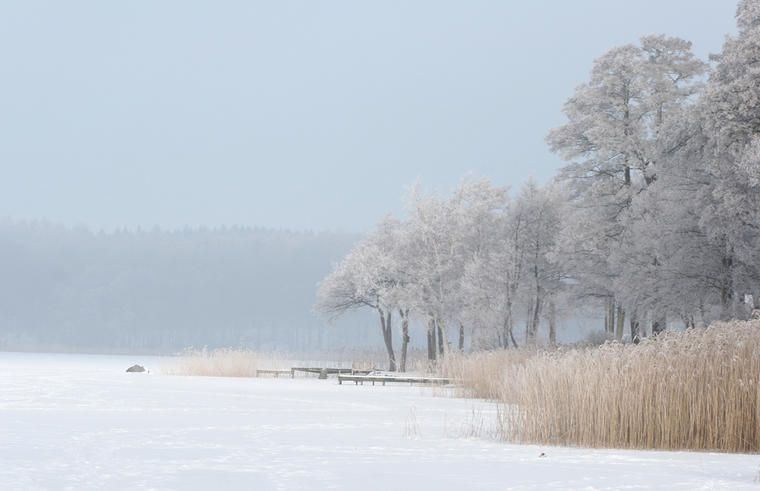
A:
(81, 422)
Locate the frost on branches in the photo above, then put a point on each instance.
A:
(653, 220)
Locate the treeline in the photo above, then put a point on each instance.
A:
(68, 289)
(654, 220)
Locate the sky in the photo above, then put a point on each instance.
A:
(302, 115)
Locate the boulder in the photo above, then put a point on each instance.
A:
(136, 369)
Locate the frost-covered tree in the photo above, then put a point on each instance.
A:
(447, 234)
(511, 272)
(477, 208)
(490, 275)
(702, 213)
(364, 278)
(399, 287)
(617, 142)
(540, 211)
(434, 268)
(655, 216)
(731, 116)
(491, 281)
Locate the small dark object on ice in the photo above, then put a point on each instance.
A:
(136, 369)
(542, 455)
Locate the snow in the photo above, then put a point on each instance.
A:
(81, 422)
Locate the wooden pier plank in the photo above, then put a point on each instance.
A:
(327, 370)
(392, 379)
(269, 371)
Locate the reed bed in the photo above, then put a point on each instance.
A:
(482, 374)
(216, 363)
(238, 362)
(697, 389)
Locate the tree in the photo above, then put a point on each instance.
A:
(395, 240)
(731, 116)
(540, 211)
(617, 142)
(361, 280)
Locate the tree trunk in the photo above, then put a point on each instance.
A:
(727, 288)
(620, 322)
(404, 337)
(534, 314)
(386, 326)
(528, 319)
(634, 323)
(441, 339)
(606, 317)
(404, 314)
(659, 325)
(431, 339)
(512, 337)
(507, 333)
(609, 316)
(461, 337)
(552, 324)
(702, 313)
(536, 320)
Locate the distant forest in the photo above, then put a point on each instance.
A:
(156, 291)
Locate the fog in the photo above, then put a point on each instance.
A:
(143, 146)
(68, 289)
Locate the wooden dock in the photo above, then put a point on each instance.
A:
(323, 372)
(383, 379)
(276, 373)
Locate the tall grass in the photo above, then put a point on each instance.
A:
(482, 374)
(216, 363)
(697, 389)
(229, 362)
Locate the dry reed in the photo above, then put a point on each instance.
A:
(216, 363)
(696, 389)
(482, 374)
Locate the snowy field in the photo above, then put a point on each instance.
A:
(79, 422)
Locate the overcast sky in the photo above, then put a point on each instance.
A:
(293, 114)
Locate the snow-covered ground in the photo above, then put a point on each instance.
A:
(80, 422)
